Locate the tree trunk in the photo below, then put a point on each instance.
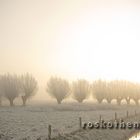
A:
(24, 99)
(119, 101)
(99, 101)
(59, 101)
(109, 101)
(11, 102)
(128, 101)
(80, 101)
(136, 101)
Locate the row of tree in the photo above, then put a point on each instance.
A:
(81, 89)
(25, 86)
(12, 86)
(117, 89)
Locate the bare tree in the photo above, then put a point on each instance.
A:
(28, 86)
(10, 87)
(127, 91)
(121, 89)
(99, 90)
(117, 91)
(136, 93)
(109, 91)
(80, 90)
(58, 88)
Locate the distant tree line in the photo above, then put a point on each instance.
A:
(25, 87)
(101, 90)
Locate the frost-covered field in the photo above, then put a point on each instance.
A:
(32, 121)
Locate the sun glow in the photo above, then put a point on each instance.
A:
(101, 45)
(91, 40)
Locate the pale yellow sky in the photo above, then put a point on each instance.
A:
(88, 39)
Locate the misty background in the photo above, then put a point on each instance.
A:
(73, 39)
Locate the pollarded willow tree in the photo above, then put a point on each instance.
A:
(121, 89)
(127, 90)
(10, 87)
(58, 88)
(117, 90)
(108, 92)
(28, 85)
(80, 90)
(99, 90)
(136, 93)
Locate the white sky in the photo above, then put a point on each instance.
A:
(71, 38)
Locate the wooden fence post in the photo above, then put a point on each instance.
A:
(49, 132)
(115, 116)
(135, 113)
(80, 122)
(127, 114)
(100, 118)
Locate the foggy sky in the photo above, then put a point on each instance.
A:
(70, 38)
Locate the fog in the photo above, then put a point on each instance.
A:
(73, 39)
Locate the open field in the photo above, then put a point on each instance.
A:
(32, 121)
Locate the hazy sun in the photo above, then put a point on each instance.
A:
(101, 45)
